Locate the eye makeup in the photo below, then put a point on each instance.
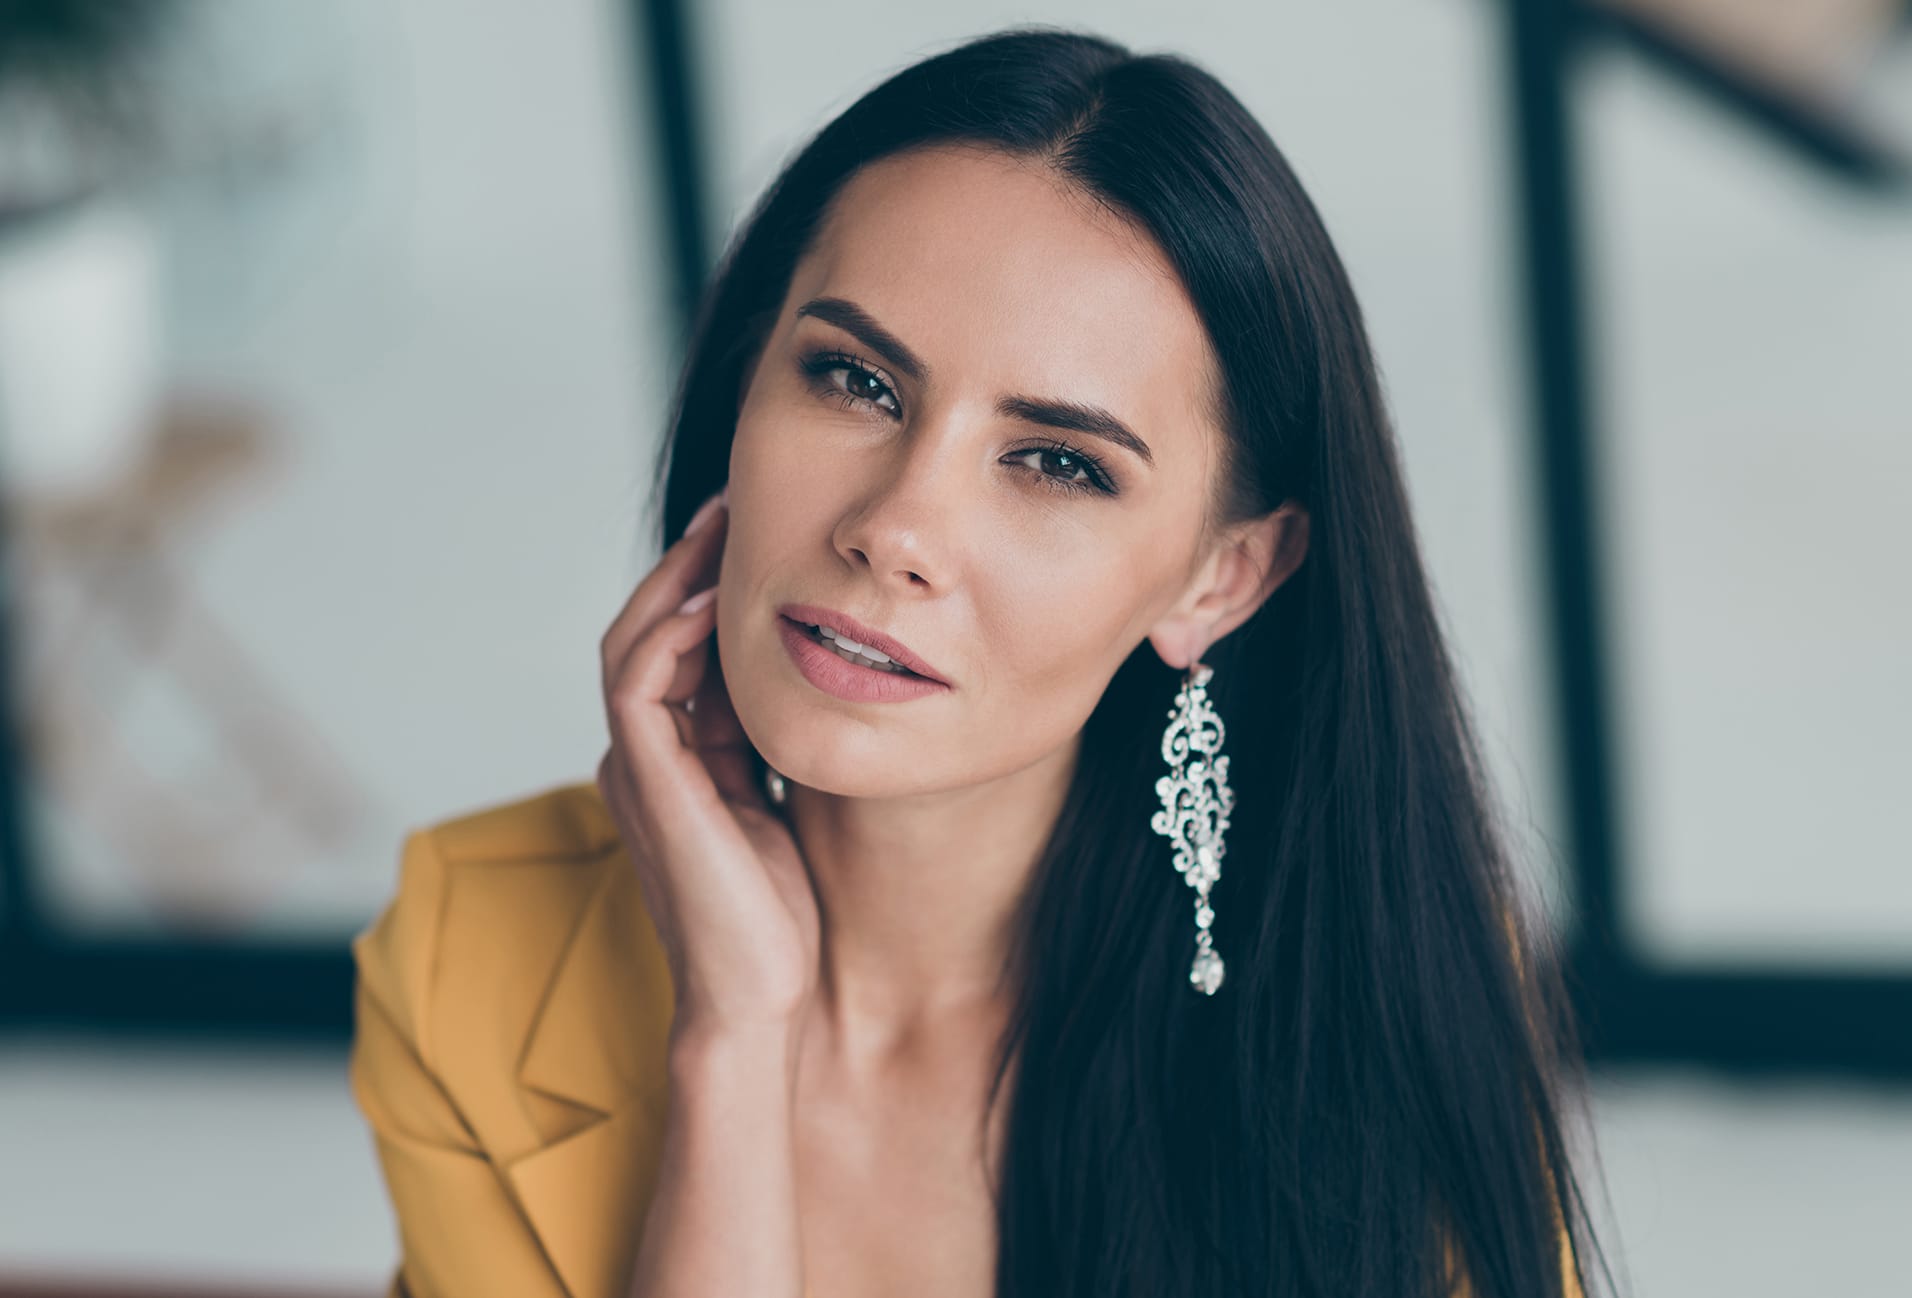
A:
(1086, 472)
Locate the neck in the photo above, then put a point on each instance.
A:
(918, 898)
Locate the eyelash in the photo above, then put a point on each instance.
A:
(820, 365)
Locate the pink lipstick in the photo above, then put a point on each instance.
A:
(825, 668)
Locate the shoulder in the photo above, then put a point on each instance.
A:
(562, 823)
(512, 1012)
(485, 903)
(554, 837)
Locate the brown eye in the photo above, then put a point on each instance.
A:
(862, 384)
(1080, 470)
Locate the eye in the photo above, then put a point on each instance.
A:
(1081, 471)
(863, 385)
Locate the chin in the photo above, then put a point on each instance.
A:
(851, 781)
(831, 751)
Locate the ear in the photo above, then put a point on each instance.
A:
(1237, 574)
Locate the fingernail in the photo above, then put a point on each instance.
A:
(698, 600)
(704, 513)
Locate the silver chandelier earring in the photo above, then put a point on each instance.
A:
(1196, 801)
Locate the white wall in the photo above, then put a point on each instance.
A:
(451, 300)
(431, 265)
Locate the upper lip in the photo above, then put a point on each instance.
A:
(863, 634)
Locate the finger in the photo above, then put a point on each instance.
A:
(711, 727)
(687, 683)
(690, 666)
(717, 723)
(733, 771)
(667, 660)
(708, 724)
(683, 568)
(641, 714)
(678, 652)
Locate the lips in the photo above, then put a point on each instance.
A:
(846, 679)
(810, 615)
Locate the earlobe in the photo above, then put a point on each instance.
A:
(1182, 637)
(1237, 579)
(1178, 648)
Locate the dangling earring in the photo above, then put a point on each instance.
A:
(772, 785)
(1192, 816)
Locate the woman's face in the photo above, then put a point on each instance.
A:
(923, 506)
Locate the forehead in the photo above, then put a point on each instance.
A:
(1003, 279)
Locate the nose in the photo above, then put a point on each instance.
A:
(902, 526)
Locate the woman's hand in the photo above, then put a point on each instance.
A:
(723, 880)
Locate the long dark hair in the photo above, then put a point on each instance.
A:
(1376, 1098)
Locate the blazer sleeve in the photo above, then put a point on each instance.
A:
(460, 1232)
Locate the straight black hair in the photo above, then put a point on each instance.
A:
(1377, 1099)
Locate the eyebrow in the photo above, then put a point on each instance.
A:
(1073, 416)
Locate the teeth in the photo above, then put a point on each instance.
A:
(845, 642)
(845, 654)
(850, 651)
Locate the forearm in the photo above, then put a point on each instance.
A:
(723, 1215)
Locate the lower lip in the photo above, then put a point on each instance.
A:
(848, 680)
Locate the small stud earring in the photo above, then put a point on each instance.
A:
(773, 785)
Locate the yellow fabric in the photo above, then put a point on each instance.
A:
(512, 1016)
(513, 1008)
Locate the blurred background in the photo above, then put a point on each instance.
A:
(335, 340)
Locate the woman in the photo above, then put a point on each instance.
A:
(1041, 849)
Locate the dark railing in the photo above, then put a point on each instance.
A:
(1738, 1020)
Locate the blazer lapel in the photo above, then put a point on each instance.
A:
(599, 1042)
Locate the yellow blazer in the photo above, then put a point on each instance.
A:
(513, 1007)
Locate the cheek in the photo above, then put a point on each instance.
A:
(1052, 645)
(780, 483)
(1065, 625)
(779, 447)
